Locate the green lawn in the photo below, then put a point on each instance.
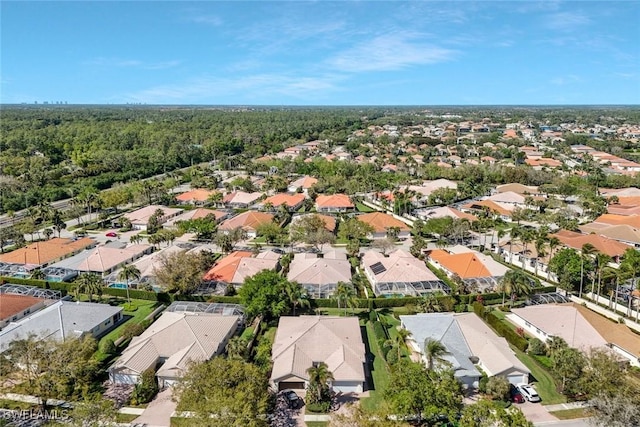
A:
(544, 383)
(247, 334)
(364, 208)
(380, 374)
(570, 414)
(316, 423)
(333, 311)
(144, 308)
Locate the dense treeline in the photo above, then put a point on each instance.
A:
(49, 154)
(54, 152)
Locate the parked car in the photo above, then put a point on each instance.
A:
(516, 396)
(293, 400)
(529, 392)
(111, 234)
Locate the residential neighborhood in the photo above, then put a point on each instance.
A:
(461, 261)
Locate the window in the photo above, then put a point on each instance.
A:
(107, 322)
(528, 324)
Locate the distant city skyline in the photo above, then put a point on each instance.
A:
(321, 53)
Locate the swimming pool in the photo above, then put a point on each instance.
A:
(118, 285)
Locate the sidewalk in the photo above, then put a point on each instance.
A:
(565, 406)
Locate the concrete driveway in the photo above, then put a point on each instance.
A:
(158, 412)
(535, 412)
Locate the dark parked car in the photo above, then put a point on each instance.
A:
(516, 396)
(293, 400)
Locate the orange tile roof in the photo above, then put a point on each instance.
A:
(11, 305)
(381, 222)
(197, 195)
(225, 268)
(290, 200)
(607, 246)
(613, 219)
(466, 265)
(249, 220)
(543, 162)
(47, 251)
(334, 201)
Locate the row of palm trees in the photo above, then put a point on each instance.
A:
(91, 284)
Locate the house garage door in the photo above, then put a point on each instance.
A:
(347, 387)
(295, 385)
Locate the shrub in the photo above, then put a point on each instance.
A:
(373, 316)
(131, 330)
(129, 307)
(460, 308)
(108, 346)
(482, 383)
(498, 388)
(504, 330)
(537, 347)
(146, 389)
(392, 357)
(320, 407)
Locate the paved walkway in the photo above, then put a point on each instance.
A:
(158, 413)
(565, 406)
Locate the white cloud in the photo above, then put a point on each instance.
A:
(214, 20)
(119, 62)
(390, 52)
(566, 21)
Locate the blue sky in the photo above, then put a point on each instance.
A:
(321, 53)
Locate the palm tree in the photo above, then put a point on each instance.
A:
(602, 260)
(514, 282)
(236, 348)
(540, 250)
(296, 296)
(89, 284)
(587, 250)
(345, 294)
(127, 273)
(434, 351)
(38, 274)
(319, 379)
(526, 237)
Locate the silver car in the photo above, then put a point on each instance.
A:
(529, 392)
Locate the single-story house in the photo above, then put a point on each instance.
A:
(400, 273)
(304, 183)
(61, 320)
(198, 213)
(104, 259)
(197, 196)
(292, 202)
(140, 218)
(320, 276)
(173, 341)
(443, 327)
(303, 341)
(494, 355)
(14, 307)
(580, 327)
(607, 246)
(237, 266)
(41, 254)
(249, 221)
(382, 223)
(329, 221)
(474, 268)
(334, 203)
(443, 212)
(241, 199)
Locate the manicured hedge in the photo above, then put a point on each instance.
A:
(504, 330)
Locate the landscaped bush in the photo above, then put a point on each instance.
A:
(108, 347)
(146, 389)
(320, 407)
(373, 316)
(537, 347)
(131, 330)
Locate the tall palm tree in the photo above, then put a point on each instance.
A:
(526, 237)
(602, 260)
(345, 295)
(296, 296)
(585, 252)
(129, 272)
(434, 351)
(319, 378)
(89, 284)
(514, 282)
(540, 251)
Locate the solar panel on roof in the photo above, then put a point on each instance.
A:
(378, 268)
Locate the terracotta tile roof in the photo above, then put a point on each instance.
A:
(239, 265)
(334, 201)
(241, 197)
(11, 305)
(290, 200)
(517, 188)
(197, 214)
(249, 220)
(47, 251)
(607, 246)
(329, 221)
(466, 265)
(612, 219)
(381, 222)
(304, 182)
(195, 195)
(142, 215)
